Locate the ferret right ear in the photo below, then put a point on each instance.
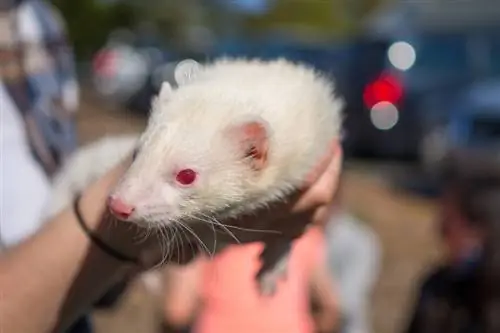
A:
(163, 95)
(165, 92)
(252, 137)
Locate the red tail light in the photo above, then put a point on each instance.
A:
(103, 63)
(386, 88)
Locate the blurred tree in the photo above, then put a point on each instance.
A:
(174, 18)
(323, 19)
(89, 22)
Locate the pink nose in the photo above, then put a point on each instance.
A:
(119, 208)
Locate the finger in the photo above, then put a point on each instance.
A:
(323, 190)
(300, 203)
(326, 186)
(322, 166)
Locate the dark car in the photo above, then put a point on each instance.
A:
(129, 68)
(127, 74)
(473, 122)
(399, 85)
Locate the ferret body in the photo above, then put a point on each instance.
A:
(86, 165)
(233, 137)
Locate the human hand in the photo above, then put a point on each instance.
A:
(282, 220)
(286, 219)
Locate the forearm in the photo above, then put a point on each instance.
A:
(50, 280)
(56, 275)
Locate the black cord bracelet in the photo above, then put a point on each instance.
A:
(96, 240)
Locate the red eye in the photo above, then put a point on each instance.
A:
(186, 176)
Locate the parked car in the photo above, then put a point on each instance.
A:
(400, 80)
(473, 123)
(128, 71)
(131, 75)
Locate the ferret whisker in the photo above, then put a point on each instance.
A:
(144, 233)
(197, 238)
(227, 230)
(174, 241)
(164, 246)
(216, 222)
(178, 243)
(170, 241)
(244, 229)
(183, 233)
(215, 235)
(215, 239)
(178, 240)
(212, 224)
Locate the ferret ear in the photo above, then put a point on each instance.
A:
(252, 137)
(186, 71)
(163, 95)
(165, 92)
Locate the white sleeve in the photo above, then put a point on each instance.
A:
(355, 254)
(24, 188)
(359, 279)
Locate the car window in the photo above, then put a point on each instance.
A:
(495, 55)
(486, 128)
(441, 54)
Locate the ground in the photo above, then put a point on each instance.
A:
(403, 222)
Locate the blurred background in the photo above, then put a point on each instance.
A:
(418, 77)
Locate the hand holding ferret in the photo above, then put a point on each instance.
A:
(227, 156)
(287, 219)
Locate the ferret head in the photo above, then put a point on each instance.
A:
(188, 169)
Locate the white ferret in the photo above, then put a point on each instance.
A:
(244, 133)
(233, 137)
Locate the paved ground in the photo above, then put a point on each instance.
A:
(402, 221)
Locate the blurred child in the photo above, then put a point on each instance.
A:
(462, 294)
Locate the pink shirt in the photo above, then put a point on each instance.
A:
(232, 303)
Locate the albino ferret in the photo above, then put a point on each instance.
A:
(233, 137)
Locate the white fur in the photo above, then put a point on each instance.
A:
(86, 165)
(295, 103)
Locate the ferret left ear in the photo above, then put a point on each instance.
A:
(186, 71)
(253, 139)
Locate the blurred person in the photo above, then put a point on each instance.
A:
(353, 256)
(462, 294)
(39, 96)
(219, 294)
(80, 253)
